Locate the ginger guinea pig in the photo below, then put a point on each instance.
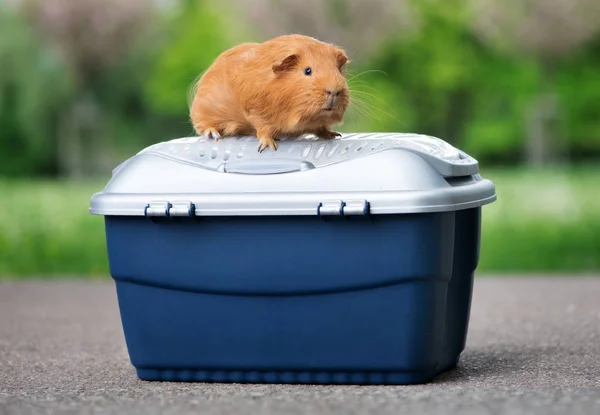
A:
(285, 87)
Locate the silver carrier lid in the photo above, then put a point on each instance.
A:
(353, 175)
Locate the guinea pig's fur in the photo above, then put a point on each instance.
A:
(285, 87)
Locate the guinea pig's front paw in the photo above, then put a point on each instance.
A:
(211, 133)
(327, 134)
(264, 142)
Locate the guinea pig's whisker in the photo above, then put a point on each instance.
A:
(354, 87)
(357, 85)
(357, 81)
(359, 106)
(364, 73)
(365, 97)
(378, 111)
(369, 95)
(354, 113)
(361, 100)
(362, 110)
(358, 115)
(365, 107)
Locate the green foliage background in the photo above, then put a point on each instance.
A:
(439, 80)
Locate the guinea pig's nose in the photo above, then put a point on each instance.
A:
(335, 92)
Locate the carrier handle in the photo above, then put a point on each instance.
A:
(265, 166)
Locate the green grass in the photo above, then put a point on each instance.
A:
(543, 221)
(46, 230)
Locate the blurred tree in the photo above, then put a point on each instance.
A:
(33, 88)
(356, 25)
(579, 89)
(429, 74)
(92, 36)
(442, 79)
(77, 88)
(196, 32)
(549, 30)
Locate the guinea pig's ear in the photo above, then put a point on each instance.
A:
(287, 64)
(342, 58)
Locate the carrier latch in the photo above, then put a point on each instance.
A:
(356, 207)
(341, 208)
(166, 209)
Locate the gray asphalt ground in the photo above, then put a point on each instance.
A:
(533, 348)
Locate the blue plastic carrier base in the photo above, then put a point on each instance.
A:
(369, 300)
(266, 290)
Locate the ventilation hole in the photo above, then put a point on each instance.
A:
(346, 148)
(226, 155)
(292, 148)
(214, 153)
(202, 153)
(320, 151)
(362, 146)
(306, 151)
(333, 150)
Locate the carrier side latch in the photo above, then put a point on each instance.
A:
(166, 209)
(331, 208)
(341, 208)
(356, 207)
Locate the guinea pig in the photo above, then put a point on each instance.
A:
(288, 86)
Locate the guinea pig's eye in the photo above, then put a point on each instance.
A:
(308, 72)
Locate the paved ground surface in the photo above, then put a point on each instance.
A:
(533, 348)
